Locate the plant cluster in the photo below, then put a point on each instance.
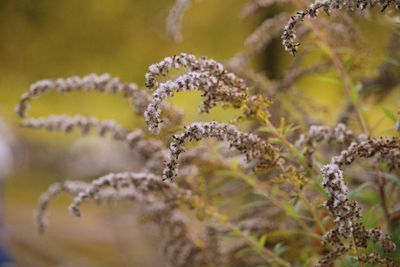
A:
(270, 189)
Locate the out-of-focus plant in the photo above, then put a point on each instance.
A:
(268, 192)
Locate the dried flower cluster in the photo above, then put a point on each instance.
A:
(386, 148)
(91, 82)
(175, 17)
(249, 144)
(346, 212)
(145, 182)
(320, 133)
(161, 201)
(328, 6)
(152, 151)
(85, 124)
(256, 204)
(207, 75)
(104, 83)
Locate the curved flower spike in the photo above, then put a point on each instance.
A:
(346, 212)
(249, 144)
(91, 82)
(289, 34)
(206, 75)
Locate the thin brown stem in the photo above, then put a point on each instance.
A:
(337, 62)
(381, 182)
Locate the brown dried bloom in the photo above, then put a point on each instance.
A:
(320, 133)
(382, 239)
(289, 34)
(68, 124)
(253, 210)
(387, 149)
(177, 246)
(161, 200)
(175, 17)
(91, 82)
(72, 188)
(192, 64)
(342, 208)
(104, 83)
(375, 258)
(153, 152)
(206, 75)
(330, 258)
(249, 144)
(145, 182)
(346, 212)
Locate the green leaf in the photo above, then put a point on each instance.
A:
(249, 180)
(383, 166)
(390, 114)
(290, 128)
(370, 219)
(265, 129)
(262, 240)
(279, 249)
(291, 210)
(349, 62)
(355, 93)
(274, 141)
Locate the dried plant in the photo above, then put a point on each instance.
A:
(175, 17)
(346, 212)
(271, 191)
(207, 75)
(249, 144)
(318, 134)
(104, 83)
(328, 6)
(85, 124)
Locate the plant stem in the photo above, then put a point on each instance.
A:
(337, 62)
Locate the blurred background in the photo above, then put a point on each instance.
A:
(48, 39)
